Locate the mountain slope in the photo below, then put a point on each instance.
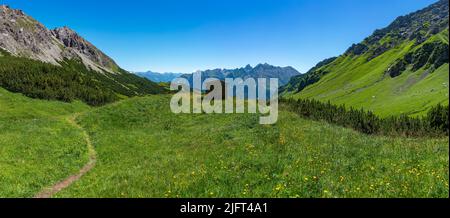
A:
(284, 74)
(60, 64)
(300, 82)
(23, 36)
(90, 55)
(399, 69)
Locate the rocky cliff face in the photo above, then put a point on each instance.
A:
(23, 36)
(70, 39)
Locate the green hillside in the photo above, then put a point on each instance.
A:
(402, 69)
(412, 92)
(70, 81)
(146, 151)
(38, 146)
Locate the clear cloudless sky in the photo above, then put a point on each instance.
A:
(189, 35)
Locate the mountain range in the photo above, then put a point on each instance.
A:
(159, 77)
(267, 71)
(402, 68)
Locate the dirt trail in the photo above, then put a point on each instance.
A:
(49, 192)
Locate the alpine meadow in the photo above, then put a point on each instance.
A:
(371, 122)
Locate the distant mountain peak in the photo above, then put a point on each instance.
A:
(159, 77)
(264, 65)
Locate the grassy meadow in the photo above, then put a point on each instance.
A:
(144, 150)
(38, 146)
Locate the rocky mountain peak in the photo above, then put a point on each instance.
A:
(70, 38)
(4, 8)
(417, 26)
(265, 65)
(73, 40)
(7, 9)
(23, 36)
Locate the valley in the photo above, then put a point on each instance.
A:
(143, 150)
(369, 123)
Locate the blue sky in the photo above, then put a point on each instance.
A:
(188, 35)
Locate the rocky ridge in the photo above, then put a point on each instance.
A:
(23, 36)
